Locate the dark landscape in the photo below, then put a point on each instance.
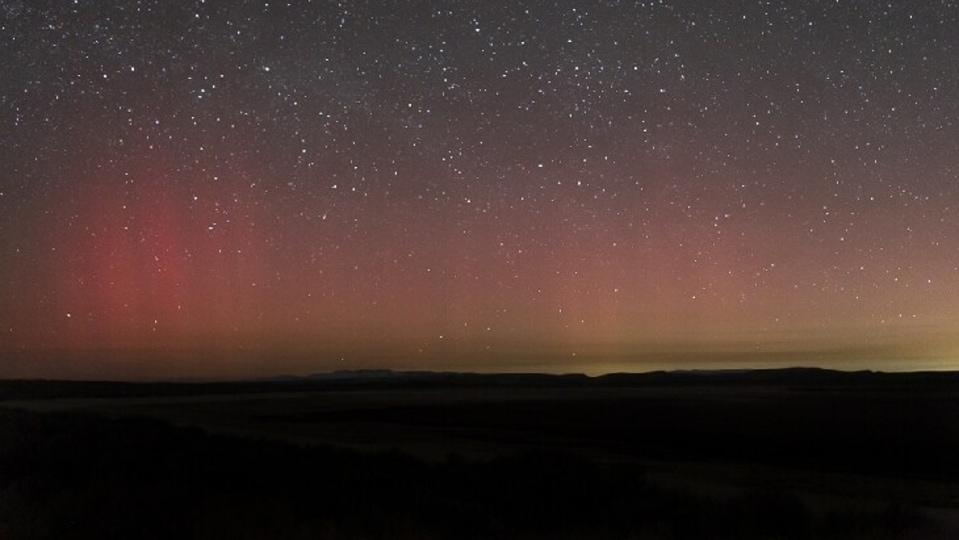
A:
(793, 453)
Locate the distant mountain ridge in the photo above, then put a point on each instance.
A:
(372, 379)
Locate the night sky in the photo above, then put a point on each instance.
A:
(231, 189)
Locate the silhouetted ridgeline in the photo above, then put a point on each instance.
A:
(795, 378)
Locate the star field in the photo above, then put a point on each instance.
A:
(236, 188)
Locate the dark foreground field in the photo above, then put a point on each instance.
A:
(784, 454)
